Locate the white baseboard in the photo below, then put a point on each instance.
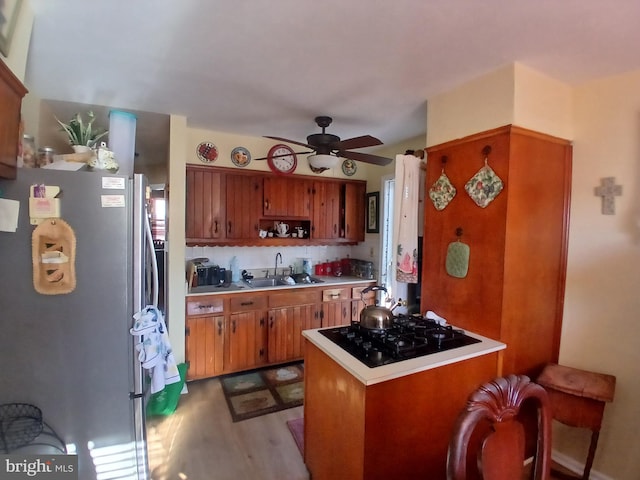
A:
(576, 467)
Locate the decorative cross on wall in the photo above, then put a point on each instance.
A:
(608, 190)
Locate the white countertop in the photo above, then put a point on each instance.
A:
(371, 376)
(327, 281)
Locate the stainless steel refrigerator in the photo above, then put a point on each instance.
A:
(71, 355)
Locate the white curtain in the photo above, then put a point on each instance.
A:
(405, 238)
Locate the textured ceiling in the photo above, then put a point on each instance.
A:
(268, 67)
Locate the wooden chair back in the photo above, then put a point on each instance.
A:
(489, 439)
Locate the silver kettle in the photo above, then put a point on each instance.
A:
(375, 317)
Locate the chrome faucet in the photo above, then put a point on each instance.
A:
(275, 270)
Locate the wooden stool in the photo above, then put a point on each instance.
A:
(577, 399)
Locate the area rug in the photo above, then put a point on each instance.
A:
(268, 390)
(296, 427)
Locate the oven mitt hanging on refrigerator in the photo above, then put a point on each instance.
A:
(53, 257)
(457, 262)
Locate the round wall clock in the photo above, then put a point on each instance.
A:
(282, 159)
(207, 152)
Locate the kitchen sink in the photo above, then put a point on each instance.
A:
(281, 281)
(266, 282)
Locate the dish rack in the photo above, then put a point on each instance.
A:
(21, 424)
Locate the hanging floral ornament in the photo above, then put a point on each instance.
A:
(442, 191)
(485, 185)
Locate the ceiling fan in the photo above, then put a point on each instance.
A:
(326, 148)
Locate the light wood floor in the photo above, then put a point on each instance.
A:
(200, 441)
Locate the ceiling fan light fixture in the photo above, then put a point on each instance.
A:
(320, 160)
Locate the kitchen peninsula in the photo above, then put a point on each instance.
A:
(392, 421)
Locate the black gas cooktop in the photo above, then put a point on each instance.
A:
(409, 336)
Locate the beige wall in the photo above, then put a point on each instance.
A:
(514, 94)
(601, 331)
(602, 119)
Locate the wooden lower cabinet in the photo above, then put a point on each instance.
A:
(397, 429)
(234, 332)
(247, 341)
(336, 306)
(285, 331)
(204, 346)
(359, 301)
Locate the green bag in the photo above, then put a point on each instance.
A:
(165, 401)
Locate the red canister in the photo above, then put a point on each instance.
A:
(319, 268)
(336, 268)
(346, 266)
(327, 267)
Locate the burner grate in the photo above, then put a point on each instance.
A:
(408, 337)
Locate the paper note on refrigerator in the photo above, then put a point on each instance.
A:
(9, 210)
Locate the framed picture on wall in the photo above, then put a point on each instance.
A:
(373, 219)
(8, 17)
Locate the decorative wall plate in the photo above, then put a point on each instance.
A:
(207, 152)
(240, 156)
(349, 167)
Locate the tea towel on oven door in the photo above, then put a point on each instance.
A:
(406, 217)
(154, 349)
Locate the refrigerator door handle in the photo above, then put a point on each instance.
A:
(154, 264)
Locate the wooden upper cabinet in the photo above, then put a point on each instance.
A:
(326, 210)
(11, 93)
(354, 201)
(205, 209)
(287, 197)
(244, 197)
(228, 207)
(514, 288)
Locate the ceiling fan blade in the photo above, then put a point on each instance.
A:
(357, 142)
(283, 155)
(366, 158)
(289, 141)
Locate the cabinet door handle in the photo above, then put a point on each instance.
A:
(229, 229)
(219, 327)
(215, 226)
(233, 327)
(344, 312)
(266, 204)
(335, 295)
(245, 304)
(335, 228)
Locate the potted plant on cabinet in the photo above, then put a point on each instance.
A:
(82, 134)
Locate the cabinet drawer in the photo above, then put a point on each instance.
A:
(242, 303)
(290, 298)
(356, 292)
(334, 294)
(204, 305)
